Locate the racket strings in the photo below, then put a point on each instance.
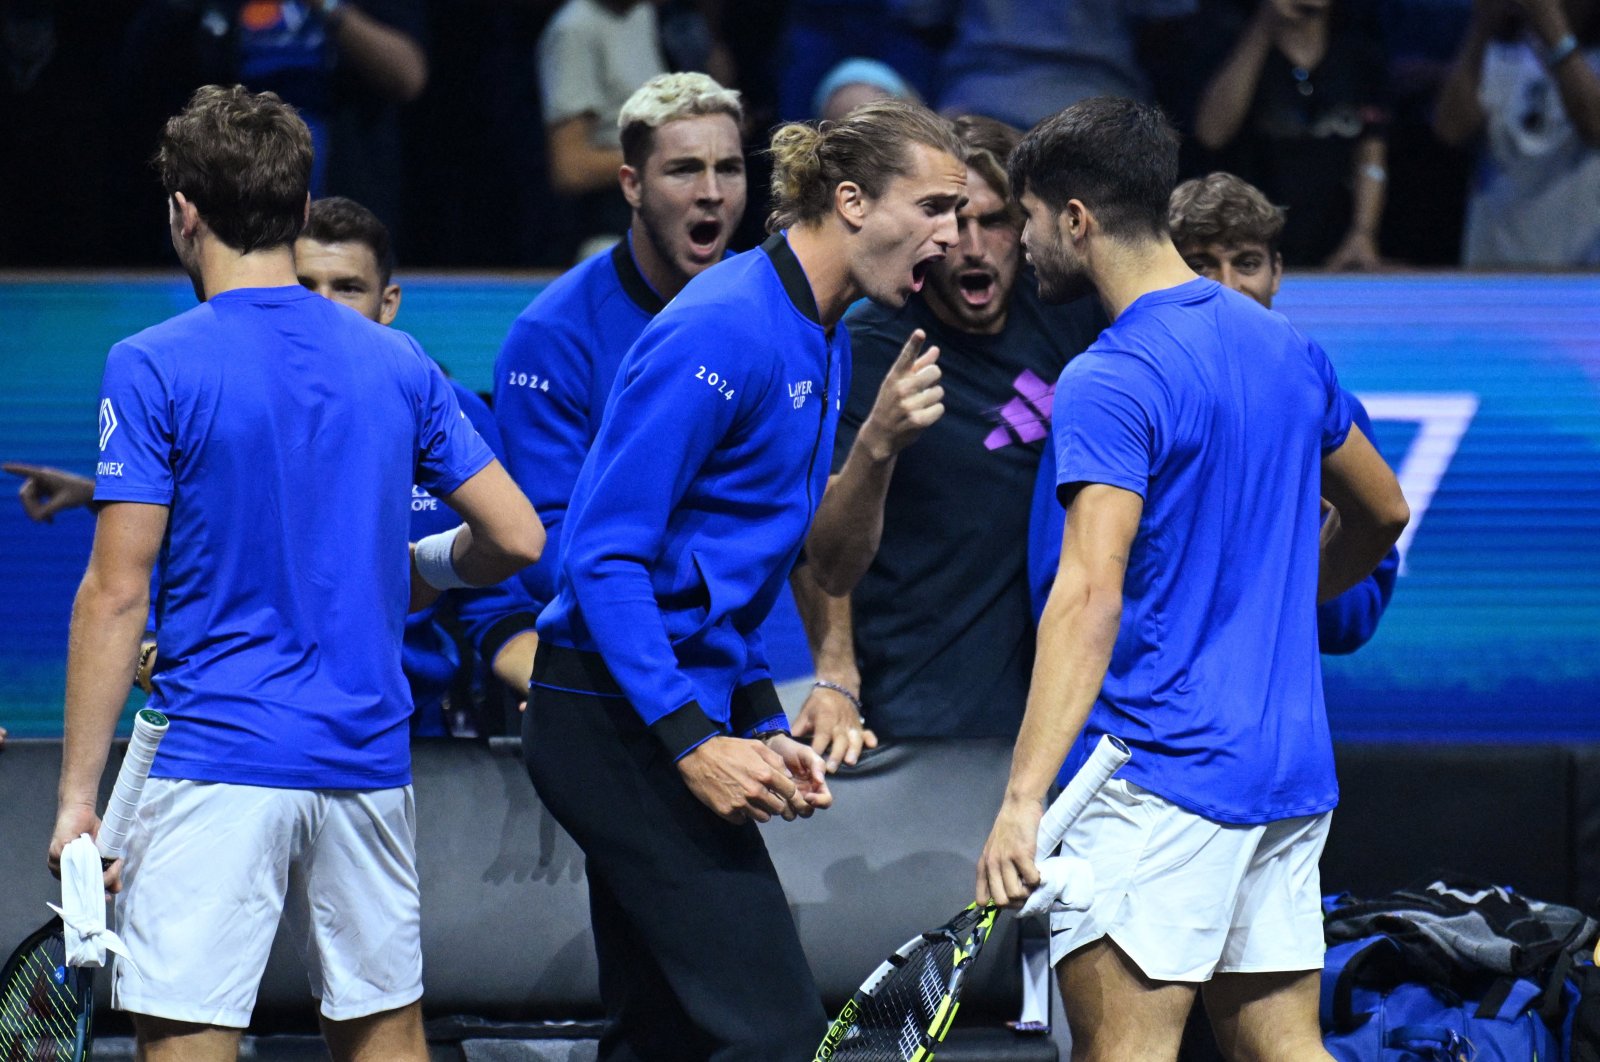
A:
(893, 1025)
(38, 1007)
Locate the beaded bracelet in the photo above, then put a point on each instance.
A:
(841, 691)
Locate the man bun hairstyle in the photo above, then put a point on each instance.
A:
(335, 219)
(869, 146)
(1222, 208)
(669, 98)
(1117, 156)
(243, 160)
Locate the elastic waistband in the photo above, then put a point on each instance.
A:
(559, 667)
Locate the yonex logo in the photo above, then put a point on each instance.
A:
(108, 422)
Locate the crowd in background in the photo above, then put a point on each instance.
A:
(1415, 132)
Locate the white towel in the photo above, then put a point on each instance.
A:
(83, 906)
(1066, 883)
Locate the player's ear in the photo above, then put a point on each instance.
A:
(1074, 220)
(632, 189)
(305, 215)
(850, 202)
(185, 215)
(390, 306)
(1277, 271)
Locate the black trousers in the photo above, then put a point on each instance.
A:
(699, 958)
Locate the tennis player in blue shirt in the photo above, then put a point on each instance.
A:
(1193, 440)
(264, 445)
(1228, 232)
(653, 731)
(345, 254)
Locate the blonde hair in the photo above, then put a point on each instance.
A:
(867, 146)
(669, 98)
(1222, 208)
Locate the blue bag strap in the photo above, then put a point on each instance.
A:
(1341, 970)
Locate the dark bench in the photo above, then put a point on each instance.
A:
(505, 924)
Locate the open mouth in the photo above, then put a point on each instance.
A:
(919, 271)
(703, 237)
(977, 287)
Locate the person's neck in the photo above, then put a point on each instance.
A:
(1124, 271)
(820, 250)
(663, 277)
(224, 269)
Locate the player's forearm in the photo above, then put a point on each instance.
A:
(848, 527)
(1576, 80)
(1226, 100)
(390, 62)
(829, 628)
(1370, 181)
(1357, 548)
(102, 656)
(577, 166)
(1076, 636)
(513, 664)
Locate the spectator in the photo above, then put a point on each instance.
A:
(904, 35)
(1022, 60)
(592, 56)
(940, 641)
(345, 65)
(857, 81)
(1525, 87)
(1299, 104)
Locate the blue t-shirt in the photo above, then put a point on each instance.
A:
(1344, 624)
(283, 432)
(1218, 413)
(691, 508)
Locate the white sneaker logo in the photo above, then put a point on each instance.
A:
(108, 422)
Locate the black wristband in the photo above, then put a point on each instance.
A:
(684, 728)
(753, 705)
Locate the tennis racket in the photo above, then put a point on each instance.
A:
(903, 1011)
(46, 1004)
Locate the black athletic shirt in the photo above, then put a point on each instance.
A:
(944, 633)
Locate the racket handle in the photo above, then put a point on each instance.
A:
(149, 726)
(1108, 756)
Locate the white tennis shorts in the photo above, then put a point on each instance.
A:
(1186, 898)
(211, 869)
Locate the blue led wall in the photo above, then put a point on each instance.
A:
(1485, 392)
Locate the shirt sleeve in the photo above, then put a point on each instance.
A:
(1109, 418)
(1350, 620)
(1336, 417)
(449, 449)
(1047, 522)
(138, 443)
(543, 393)
(663, 421)
(756, 708)
(493, 615)
(569, 72)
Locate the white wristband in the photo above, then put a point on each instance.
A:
(434, 563)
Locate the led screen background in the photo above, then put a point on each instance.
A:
(1485, 392)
